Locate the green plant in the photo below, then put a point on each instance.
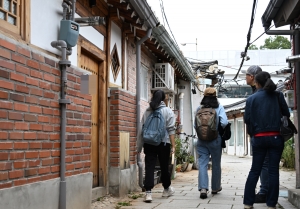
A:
(178, 166)
(120, 204)
(134, 196)
(99, 198)
(191, 159)
(181, 150)
(288, 154)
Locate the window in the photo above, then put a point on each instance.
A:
(144, 83)
(115, 62)
(231, 140)
(12, 17)
(234, 91)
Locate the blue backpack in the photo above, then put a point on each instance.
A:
(154, 131)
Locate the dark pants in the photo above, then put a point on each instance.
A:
(273, 145)
(161, 151)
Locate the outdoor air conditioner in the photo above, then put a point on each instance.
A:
(163, 77)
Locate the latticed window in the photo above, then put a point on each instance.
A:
(12, 16)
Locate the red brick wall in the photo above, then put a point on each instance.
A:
(122, 118)
(30, 118)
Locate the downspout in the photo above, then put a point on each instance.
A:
(138, 98)
(63, 63)
(297, 66)
(194, 140)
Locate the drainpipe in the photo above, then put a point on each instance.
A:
(138, 98)
(194, 140)
(297, 70)
(63, 63)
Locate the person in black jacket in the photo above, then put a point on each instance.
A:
(263, 119)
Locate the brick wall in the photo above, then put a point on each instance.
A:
(122, 118)
(30, 118)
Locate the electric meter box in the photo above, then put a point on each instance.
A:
(289, 97)
(69, 32)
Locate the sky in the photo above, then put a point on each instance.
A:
(216, 24)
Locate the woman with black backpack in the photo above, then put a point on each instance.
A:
(157, 148)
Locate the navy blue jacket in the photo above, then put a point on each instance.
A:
(262, 112)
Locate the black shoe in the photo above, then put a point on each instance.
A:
(215, 192)
(203, 193)
(260, 198)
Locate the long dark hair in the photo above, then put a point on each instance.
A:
(264, 79)
(210, 101)
(157, 98)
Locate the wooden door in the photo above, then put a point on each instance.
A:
(92, 65)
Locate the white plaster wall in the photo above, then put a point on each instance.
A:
(45, 24)
(116, 38)
(45, 20)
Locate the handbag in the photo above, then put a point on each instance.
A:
(287, 128)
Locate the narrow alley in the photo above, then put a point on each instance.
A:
(234, 173)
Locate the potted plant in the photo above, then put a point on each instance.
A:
(191, 161)
(178, 168)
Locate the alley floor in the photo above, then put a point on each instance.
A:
(234, 173)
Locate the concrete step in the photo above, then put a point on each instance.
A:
(294, 197)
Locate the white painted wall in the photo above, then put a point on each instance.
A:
(116, 38)
(45, 24)
(45, 20)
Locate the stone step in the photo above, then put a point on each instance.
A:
(294, 197)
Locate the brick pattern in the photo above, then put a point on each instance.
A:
(122, 118)
(30, 118)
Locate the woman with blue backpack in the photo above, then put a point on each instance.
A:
(158, 139)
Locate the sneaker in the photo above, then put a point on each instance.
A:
(216, 191)
(203, 193)
(271, 207)
(248, 207)
(148, 197)
(168, 192)
(260, 198)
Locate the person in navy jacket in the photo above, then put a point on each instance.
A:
(263, 119)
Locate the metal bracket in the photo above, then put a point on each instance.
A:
(64, 101)
(65, 62)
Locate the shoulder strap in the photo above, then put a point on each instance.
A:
(278, 94)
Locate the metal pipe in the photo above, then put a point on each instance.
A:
(138, 98)
(73, 9)
(65, 8)
(281, 32)
(294, 58)
(62, 101)
(297, 70)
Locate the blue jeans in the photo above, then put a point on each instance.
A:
(206, 149)
(264, 176)
(273, 145)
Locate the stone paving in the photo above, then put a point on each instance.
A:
(234, 173)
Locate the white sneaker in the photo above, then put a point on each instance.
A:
(168, 192)
(148, 197)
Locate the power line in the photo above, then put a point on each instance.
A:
(261, 35)
(244, 54)
(164, 14)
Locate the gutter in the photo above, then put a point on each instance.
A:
(145, 12)
(171, 47)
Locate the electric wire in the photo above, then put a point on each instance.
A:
(248, 37)
(164, 14)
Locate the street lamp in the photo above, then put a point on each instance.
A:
(184, 44)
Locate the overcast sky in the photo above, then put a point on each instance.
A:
(217, 24)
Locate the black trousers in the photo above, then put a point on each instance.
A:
(161, 151)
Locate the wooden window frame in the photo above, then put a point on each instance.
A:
(114, 55)
(22, 29)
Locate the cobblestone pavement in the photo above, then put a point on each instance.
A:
(234, 173)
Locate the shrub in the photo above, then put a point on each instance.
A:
(288, 154)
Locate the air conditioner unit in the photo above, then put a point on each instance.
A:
(163, 77)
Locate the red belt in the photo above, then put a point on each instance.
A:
(270, 133)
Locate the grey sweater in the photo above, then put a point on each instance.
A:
(169, 120)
